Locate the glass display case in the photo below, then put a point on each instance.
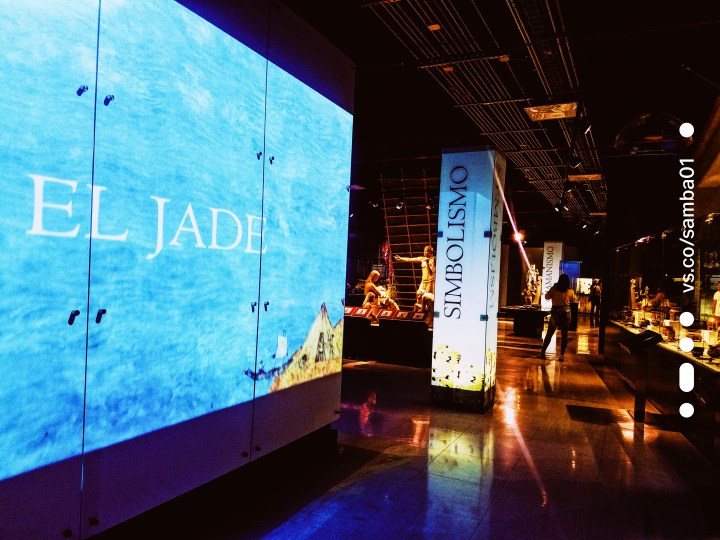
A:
(665, 286)
(661, 276)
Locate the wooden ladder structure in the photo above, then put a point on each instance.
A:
(411, 221)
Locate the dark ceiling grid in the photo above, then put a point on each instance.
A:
(465, 58)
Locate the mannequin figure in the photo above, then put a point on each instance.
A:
(632, 300)
(538, 291)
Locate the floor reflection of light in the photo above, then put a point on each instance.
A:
(630, 431)
(557, 371)
(421, 429)
(509, 415)
(583, 343)
(366, 411)
(627, 430)
(509, 412)
(469, 445)
(466, 459)
(439, 440)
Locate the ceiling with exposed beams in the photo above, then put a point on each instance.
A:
(433, 74)
(492, 68)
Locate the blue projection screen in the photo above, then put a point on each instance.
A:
(306, 206)
(47, 53)
(176, 254)
(167, 232)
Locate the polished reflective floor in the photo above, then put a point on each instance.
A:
(558, 456)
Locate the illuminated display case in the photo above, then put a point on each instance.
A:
(655, 280)
(174, 210)
(664, 275)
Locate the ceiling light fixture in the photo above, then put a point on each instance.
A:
(400, 204)
(433, 27)
(584, 177)
(553, 111)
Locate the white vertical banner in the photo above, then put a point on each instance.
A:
(552, 255)
(467, 279)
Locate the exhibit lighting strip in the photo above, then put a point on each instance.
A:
(512, 220)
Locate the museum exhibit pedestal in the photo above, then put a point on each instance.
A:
(527, 321)
(407, 343)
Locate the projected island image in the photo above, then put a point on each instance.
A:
(203, 274)
(319, 355)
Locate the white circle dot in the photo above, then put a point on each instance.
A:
(686, 344)
(687, 129)
(687, 318)
(686, 410)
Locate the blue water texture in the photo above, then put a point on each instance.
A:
(178, 143)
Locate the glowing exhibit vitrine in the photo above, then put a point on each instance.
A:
(166, 190)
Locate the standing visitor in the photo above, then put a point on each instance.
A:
(595, 296)
(561, 295)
